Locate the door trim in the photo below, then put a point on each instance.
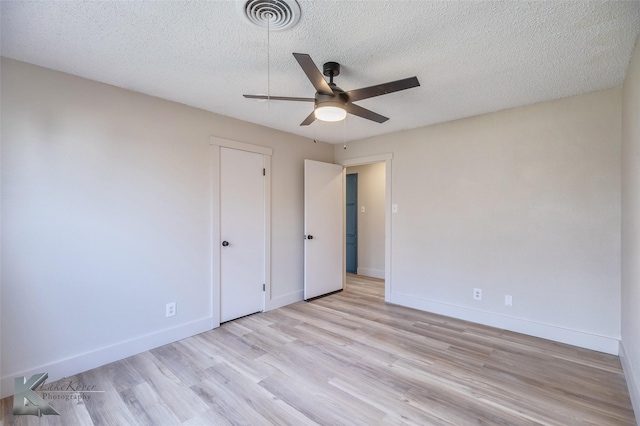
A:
(386, 158)
(216, 143)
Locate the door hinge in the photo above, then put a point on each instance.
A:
(264, 287)
(264, 172)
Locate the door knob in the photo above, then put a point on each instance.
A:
(225, 243)
(309, 237)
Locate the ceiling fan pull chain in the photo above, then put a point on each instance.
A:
(344, 133)
(268, 16)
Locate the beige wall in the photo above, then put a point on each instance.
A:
(630, 345)
(371, 196)
(106, 217)
(523, 202)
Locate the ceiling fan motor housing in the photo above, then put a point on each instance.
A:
(338, 99)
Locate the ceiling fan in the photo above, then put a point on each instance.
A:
(331, 102)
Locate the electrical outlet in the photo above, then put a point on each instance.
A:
(508, 300)
(171, 309)
(477, 293)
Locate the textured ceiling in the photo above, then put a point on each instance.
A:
(471, 57)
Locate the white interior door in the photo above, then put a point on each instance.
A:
(242, 233)
(323, 228)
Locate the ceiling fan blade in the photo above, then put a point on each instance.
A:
(278, 98)
(313, 73)
(382, 89)
(310, 119)
(365, 113)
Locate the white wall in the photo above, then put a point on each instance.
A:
(630, 344)
(106, 217)
(371, 196)
(524, 202)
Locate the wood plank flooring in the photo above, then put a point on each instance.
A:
(351, 359)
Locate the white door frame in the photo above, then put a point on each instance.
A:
(386, 158)
(216, 143)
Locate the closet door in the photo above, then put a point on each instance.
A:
(242, 233)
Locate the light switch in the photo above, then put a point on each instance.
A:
(394, 208)
(361, 209)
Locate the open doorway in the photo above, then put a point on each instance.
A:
(365, 220)
(385, 159)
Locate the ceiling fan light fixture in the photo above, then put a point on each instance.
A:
(330, 113)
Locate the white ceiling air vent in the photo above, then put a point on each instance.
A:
(276, 15)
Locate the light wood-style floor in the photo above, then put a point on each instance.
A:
(349, 358)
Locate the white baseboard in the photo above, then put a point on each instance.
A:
(609, 345)
(86, 361)
(284, 300)
(369, 272)
(632, 384)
